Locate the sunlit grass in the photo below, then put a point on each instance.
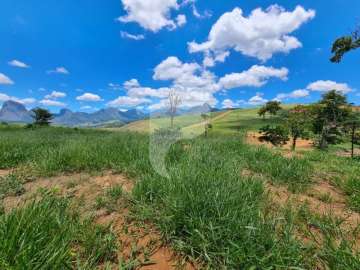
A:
(213, 208)
(45, 234)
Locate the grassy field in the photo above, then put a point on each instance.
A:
(228, 122)
(226, 204)
(149, 125)
(183, 122)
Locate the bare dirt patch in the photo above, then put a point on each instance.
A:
(4, 172)
(140, 244)
(322, 198)
(301, 144)
(347, 153)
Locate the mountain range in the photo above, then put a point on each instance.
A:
(205, 108)
(13, 111)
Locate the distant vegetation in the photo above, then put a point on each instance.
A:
(327, 122)
(42, 117)
(271, 107)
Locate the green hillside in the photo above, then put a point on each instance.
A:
(226, 122)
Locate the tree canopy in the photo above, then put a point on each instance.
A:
(276, 135)
(297, 122)
(271, 107)
(42, 117)
(328, 117)
(352, 126)
(345, 44)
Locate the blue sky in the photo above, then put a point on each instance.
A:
(89, 54)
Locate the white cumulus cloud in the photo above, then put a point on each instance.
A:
(230, 104)
(181, 20)
(52, 103)
(19, 64)
(256, 76)
(114, 86)
(89, 97)
(135, 90)
(173, 69)
(125, 101)
(194, 85)
(151, 15)
(195, 12)
(257, 100)
(127, 35)
(133, 83)
(55, 95)
(260, 35)
(25, 101)
(59, 70)
(325, 86)
(4, 97)
(300, 93)
(210, 60)
(5, 79)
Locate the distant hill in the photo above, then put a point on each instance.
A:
(205, 108)
(13, 111)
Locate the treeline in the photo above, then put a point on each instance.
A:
(329, 121)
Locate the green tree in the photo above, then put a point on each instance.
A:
(262, 112)
(352, 126)
(42, 117)
(345, 44)
(278, 135)
(297, 122)
(328, 118)
(273, 107)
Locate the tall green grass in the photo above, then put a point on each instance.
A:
(334, 247)
(45, 234)
(343, 172)
(11, 185)
(208, 209)
(54, 150)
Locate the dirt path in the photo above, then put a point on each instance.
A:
(140, 244)
(201, 124)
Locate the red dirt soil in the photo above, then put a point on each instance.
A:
(301, 144)
(132, 236)
(313, 198)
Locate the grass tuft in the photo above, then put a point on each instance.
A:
(11, 185)
(46, 235)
